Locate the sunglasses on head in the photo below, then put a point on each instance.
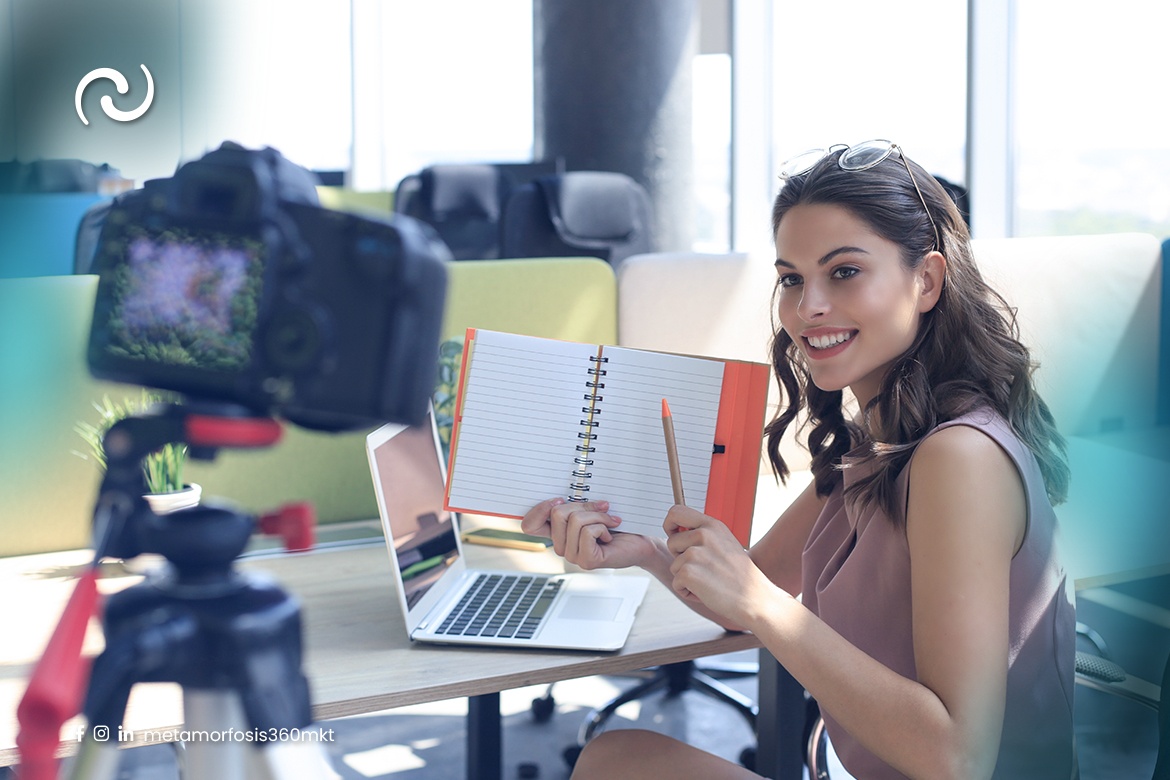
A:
(859, 157)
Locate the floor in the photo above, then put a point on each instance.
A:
(1116, 738)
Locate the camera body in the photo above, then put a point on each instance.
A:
(228, 282)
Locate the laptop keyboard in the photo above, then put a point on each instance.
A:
(502, 605)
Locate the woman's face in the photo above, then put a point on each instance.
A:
(846, 299)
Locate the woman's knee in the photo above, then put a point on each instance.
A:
(612, 753)
(636, 753)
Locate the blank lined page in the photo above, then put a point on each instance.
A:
(522, 410)
(630, 468)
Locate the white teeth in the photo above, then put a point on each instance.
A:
(831, 340)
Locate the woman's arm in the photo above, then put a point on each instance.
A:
(965, 519)
(587, 536)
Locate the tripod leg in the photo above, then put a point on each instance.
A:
(114, 671)
(94, 760)
(273, 690)
(300, 759)
(210, 718)
(218, 749)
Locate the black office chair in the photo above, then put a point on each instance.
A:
(464, 202)
(676, 679)
(1093, 671)
(461, 202)
(578, 214)
(1099, 673)
(959, 194)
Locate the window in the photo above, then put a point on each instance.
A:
(894, 70)
(711, 153)
(268, 73)
(440, 81)
(1092, 150)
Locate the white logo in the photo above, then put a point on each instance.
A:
(108, 102)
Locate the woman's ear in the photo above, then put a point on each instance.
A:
(933, 273)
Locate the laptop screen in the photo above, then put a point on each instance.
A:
(409, 470)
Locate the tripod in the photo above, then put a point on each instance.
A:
(231, 640)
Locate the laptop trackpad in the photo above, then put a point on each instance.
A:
(591, 608)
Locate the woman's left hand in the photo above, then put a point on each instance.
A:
(711, 566)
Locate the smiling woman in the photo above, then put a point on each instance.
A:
(935, 627)
(878, 293)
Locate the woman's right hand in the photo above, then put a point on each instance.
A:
(585, 534)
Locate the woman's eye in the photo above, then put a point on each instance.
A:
(844, 272)
(789, 280)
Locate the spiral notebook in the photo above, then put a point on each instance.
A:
(538, 418)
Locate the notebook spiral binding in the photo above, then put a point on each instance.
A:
(579, 487)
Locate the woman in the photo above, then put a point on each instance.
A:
(935, 626)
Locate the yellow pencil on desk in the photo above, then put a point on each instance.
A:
(676, 482)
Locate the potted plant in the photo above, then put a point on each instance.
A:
(446, 388)
(162, 469)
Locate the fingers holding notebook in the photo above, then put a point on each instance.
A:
(586, 535)
(538, 520)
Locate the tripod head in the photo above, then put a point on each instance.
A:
(209, 536)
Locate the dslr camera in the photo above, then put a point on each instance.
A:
(229, 282)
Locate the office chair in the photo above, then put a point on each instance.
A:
(464, 202)
(461, 202)
(675, 678)
(1093, 671)
(578, 213)
(959, 194)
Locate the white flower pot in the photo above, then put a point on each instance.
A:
(165, 503)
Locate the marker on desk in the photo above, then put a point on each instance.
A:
(672, 454)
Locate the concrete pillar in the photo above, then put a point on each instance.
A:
(613, 93)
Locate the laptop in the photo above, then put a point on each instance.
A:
(443, 600)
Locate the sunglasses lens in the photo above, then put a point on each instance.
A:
(801, 163)
(866, 155)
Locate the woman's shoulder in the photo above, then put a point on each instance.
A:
(961, 470)
(969, 443)
(977, 425)
(973, 445)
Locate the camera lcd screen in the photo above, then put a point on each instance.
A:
(181, 298)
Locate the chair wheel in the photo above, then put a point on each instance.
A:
(571, 754)
(747, 758)
(543, 708)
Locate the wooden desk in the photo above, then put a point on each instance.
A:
(357, 656)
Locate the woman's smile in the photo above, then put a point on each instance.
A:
(822, 343)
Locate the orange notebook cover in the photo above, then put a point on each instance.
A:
(537, 418)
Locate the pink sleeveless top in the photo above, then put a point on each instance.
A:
(856, 577)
